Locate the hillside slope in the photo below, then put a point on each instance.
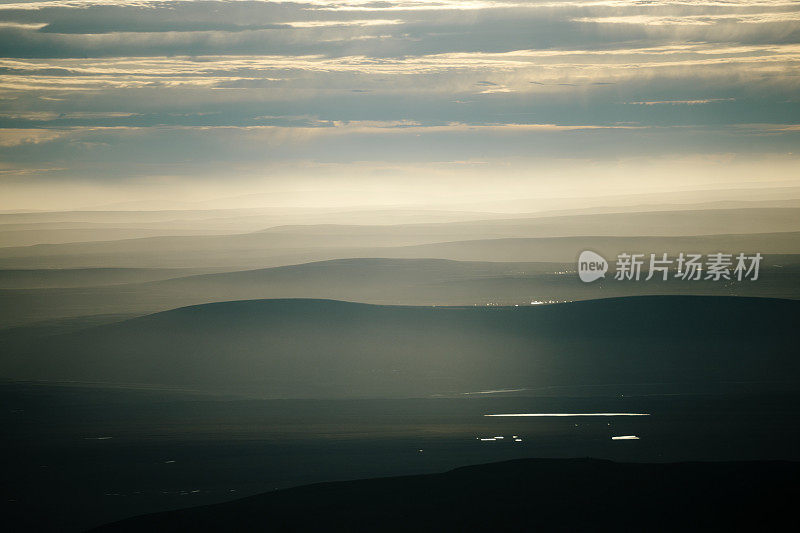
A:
(521, 495)
(320, 348)
(382, 281)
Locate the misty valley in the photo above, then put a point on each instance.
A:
(142, 376)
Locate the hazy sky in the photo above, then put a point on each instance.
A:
(380, 102)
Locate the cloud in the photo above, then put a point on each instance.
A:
(684, 102)
(16, 137)
(124, 89)
(697, 20)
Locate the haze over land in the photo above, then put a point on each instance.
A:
(499, 260)
(317, 348)
(147, 142)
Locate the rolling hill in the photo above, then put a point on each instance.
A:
(383, 281)
(520, 495)
(25, 229)
(260, 250)
(320, 348)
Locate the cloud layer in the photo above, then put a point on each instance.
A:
(103, 91)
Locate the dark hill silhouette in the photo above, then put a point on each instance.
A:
(367, 280)
(323, 348)
(521, 495)
(381, 281)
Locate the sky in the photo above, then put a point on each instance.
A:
(414, 103)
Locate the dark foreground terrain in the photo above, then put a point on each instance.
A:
(78, 457)
(520, 495)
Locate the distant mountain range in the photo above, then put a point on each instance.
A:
(319, 348)
(541, 239)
